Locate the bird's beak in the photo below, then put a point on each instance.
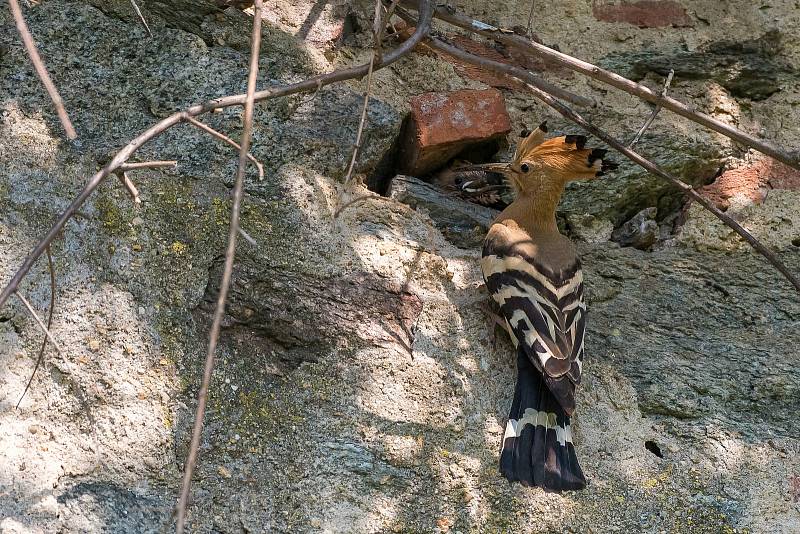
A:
(500, 168)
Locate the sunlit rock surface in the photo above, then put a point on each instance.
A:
(360, 386)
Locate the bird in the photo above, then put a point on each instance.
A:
(475, 184)
(534, 279)
(471, 183)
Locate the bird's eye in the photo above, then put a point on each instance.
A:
(458, 181)
(524, 167)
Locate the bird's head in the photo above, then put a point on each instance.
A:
(541, 165)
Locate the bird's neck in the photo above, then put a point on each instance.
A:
(535, 211)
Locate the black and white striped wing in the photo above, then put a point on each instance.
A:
(545, 313)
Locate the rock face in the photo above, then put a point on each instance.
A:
(751, 69)
(359, 385)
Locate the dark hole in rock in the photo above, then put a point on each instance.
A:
(653, 447)
(391, 163)
(796, 241)
(350, 28)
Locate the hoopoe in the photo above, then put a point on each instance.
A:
(533, 275)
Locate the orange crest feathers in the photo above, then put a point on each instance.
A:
(564, 156)
(529, 140)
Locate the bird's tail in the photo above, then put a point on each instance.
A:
(537, 445)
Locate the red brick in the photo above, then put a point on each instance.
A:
(644, 13)
(751, 181)
(441, 125)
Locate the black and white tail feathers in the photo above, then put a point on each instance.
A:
(537, 445)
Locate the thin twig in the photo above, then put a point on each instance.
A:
(50, 311)
(78, 390)
(222, 137)
(230, 253)
(375, 54)
(141, 17)
(652, 116)
(361, 123)
(44, 329)
(356, 200)
(530, 20)
(122, 174)
(568, 113)
(247, 237)
(147, 165)
(129, 185)
(517, 41)
(41, 70)
(310, 99)
(422, 29)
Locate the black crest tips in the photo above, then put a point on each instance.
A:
(608, 165)
(597, 153)
(543, 126)
(605, 165)
(525, 132)
(578, 140)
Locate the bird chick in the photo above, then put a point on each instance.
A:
(474, 184)
(533, 275)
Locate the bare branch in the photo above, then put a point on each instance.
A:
(50, 311)
(356, 200)
(129, 185)
(568, 113)
(525, 75)
(230, 253)
(509, 38)
(530, 19)
(41, 70)
(141, 17)
(45, 329)
(361, 123)
(78, 390)
(247, 237)
(236, 100)
(147, 165)
(222, 137)
(652, 116)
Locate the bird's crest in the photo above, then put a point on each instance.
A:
(564, 156)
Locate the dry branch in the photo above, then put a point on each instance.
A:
(147, 165)
(41, 70)
(570, 114)
(222, 137)
(78, 390)
(377, 35)
(510, 39)
(50, 312)
(39, 321)
(128, 184)
(141, 17)
(230, 254)
(236, 100)
(530, 19)
(656, 109)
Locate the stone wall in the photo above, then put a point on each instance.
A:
(360, 387)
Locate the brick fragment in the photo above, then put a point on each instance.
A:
(443, 125)
(644, 13)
